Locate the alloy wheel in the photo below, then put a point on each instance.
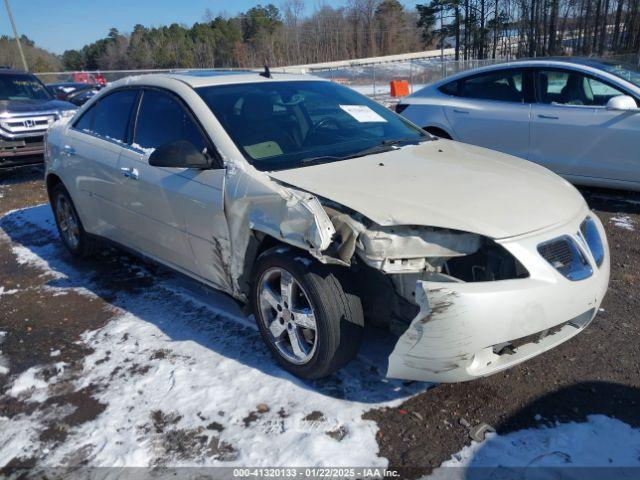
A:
(287, 314)
(68, 222)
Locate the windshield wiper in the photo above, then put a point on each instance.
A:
(383, 146)
(320, 159)
(386, 145)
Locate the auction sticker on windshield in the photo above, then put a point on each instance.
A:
(362, 113)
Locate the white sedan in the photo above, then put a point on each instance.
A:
(327, 214)
(576, 116)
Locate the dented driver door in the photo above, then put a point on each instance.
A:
(206, 226)
(176, 214)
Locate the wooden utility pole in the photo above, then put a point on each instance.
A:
(15, 34)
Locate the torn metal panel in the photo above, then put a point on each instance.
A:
(404, 248)
(347, 231)
(293, 217)
(253, 203)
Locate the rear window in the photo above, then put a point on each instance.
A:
(450, 88)
(502, 86)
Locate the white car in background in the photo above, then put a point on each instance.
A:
(328, 214)
(576, 116)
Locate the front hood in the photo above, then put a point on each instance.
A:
(444, 184)
(28, 106)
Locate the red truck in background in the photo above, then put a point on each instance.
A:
(92, 78)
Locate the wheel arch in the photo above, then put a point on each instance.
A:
(51, 181)
(259, 242)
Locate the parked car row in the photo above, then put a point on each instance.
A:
(328, 214)
(578, 117)
(28, 108)
(74, 92)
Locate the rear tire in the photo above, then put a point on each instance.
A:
(320, 309)
(72, 233)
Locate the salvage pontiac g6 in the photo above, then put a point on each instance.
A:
(328, 214)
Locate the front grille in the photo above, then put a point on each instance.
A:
(22, 125)
(557, 253)
(566, 257)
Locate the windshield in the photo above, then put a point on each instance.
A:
(281, 125)
(22, 87)
(626, 71)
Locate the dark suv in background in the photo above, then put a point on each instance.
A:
(27, 109)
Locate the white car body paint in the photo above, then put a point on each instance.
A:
(205, 223)
(588, 145)
(444, 184)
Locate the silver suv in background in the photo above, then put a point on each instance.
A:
(576, 116)
(27, 109)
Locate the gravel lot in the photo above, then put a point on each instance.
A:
(46, 350)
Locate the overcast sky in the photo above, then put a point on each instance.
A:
(64, 24)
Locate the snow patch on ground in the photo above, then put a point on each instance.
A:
(623, 221)
(4, 362)
(187, 380)
(601, 441)
(39, 217)
(7, 292)
(32, 387)
(29, 382)
(217, 384)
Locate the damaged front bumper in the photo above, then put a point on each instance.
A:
(469, 330)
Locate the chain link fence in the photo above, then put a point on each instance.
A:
(372, 80)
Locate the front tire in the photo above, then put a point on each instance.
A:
(70, 228)
(307, 313)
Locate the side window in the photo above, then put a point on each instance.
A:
(503, 86)
(86, 120)
(450, 88)
(161, 120)
(602, 92)
(109, 117)
(572, 88)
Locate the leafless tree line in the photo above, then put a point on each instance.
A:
(531, 28)
(292, 33)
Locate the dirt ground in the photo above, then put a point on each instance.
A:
(596, 372)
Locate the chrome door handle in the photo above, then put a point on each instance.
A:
(129, 172)
(548, 117)
(68, 150)
(457, 110)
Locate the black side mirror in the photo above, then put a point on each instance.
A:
(180, 154)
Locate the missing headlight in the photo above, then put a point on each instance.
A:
(490, 263)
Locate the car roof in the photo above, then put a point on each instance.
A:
(588, 62)
(205, 78)
(12, 71)
(594, 62)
